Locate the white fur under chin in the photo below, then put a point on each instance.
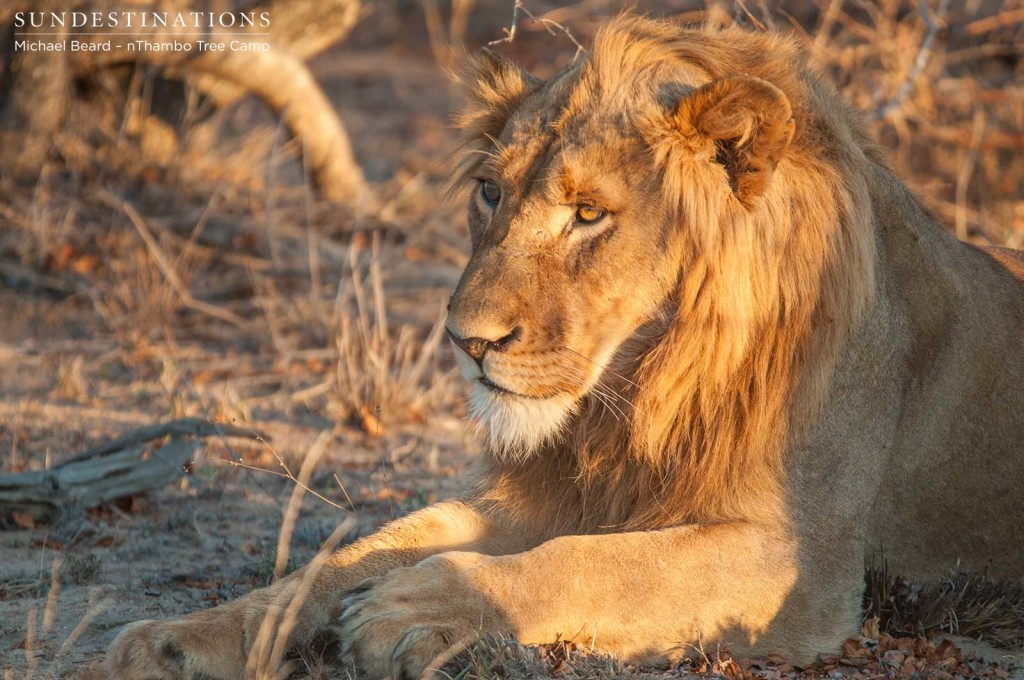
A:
(518, 426)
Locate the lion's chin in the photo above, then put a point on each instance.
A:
(517, 426)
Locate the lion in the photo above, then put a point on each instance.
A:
(722, 356)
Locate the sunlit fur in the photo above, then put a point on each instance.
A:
(743, 353)
(514, 426)
(517, 427)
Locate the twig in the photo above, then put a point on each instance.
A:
(268, 199)
(266, 658)
(200, 225)
(292, 613)
(88, 617)
(740, 5)
(766, 12)
(351, 505)
(920, 61)
(183, 427)
(291, 513)
(510, 33)
(823, 36)
(287, 474)
(993, 139)
(1008, 18)
(50, 611)
(963, 179)
(549, 25)
(311, 392)
(184, 294)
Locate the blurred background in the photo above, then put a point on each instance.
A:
(260, 238)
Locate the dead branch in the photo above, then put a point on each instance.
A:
(282, 81)
(962, 137)
(1000, 20)
(308, 27)
(286, 85)
(131, 463)
(277, 75)
(510, 32)
(741, 9)
(167, 269)
(548, 24)
(37, 103)
(920, 61)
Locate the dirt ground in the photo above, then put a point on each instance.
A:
(161, 269)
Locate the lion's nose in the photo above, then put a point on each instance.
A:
(478, 347)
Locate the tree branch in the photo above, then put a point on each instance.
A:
(920, 61)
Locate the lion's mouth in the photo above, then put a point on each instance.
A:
(496, 388)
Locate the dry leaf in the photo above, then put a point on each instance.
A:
(728, 668)
(560, 668)
(23, 519)
(870, 629)
(416, 254)
(370, 422)
(85, 264)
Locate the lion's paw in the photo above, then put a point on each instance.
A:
(174, 650)
(406, 624)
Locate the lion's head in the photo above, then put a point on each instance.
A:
(657, 232)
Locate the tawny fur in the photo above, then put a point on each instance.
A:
(765, 362)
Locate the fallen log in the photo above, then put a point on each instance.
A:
(140, 460)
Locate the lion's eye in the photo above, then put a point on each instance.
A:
(491, 192)
(588, 214)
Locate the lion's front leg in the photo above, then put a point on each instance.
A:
(224, 642)
(644, 596)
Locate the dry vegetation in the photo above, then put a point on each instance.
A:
(173, 261)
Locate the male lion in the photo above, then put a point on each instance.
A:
(721, 354)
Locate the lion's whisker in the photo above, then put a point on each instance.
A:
(608, 400)
(601, 366)
(608, 390)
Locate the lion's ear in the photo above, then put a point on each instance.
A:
(750, 122)
(494, 86)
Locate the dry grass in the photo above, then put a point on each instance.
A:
(379, 375)
(972, 605)
(181, 265)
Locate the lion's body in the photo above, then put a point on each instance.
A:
(952, 483)
(762, 362)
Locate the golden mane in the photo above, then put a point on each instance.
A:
(744, 355)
